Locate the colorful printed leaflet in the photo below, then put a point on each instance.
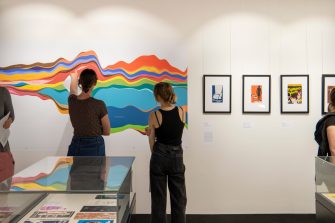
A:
(95, 215)
(330, 197)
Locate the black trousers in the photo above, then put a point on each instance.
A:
(167, 169)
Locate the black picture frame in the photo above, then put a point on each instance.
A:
(243, 92)
(204, 110)
(281, 94)
(324, 76)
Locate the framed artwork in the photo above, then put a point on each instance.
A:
(256, 94)
(216, 94)
(328, 84)
(294, 93)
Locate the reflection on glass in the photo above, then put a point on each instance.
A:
(325, 174)
(73, 173)
(87, 173)
(12, 204)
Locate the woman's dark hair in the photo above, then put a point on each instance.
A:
(165, 92)
(88, 78)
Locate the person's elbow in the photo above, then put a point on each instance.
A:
(106, 127)
(106, 133)
(332, 150)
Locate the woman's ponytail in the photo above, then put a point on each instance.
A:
(173, 98)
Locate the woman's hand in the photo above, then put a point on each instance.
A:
(75, 73)
(8, 123)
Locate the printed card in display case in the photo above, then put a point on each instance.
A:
(95, 215)
(99, 209)
(330, 196)
(46, 221)
(52, 214)
(96, 221)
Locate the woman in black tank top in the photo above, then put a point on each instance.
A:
(171, 127)
(166, 165)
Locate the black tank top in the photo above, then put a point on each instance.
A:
(170, 131)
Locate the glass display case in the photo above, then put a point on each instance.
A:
(325, 189)
(70, 189)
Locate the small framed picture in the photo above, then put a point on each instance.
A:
(328, 84)
(256, 94)
(294, 93)
(216, 94)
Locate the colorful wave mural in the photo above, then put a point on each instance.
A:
(126, 88)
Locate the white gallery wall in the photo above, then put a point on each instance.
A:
(251, 163)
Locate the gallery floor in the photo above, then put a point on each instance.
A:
(275, 218)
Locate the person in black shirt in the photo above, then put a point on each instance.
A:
(325, 130)
(330, 124)
(166, 165)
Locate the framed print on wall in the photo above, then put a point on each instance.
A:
(328, 83)
(294, 93)
(256, 94)
(216, 94)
